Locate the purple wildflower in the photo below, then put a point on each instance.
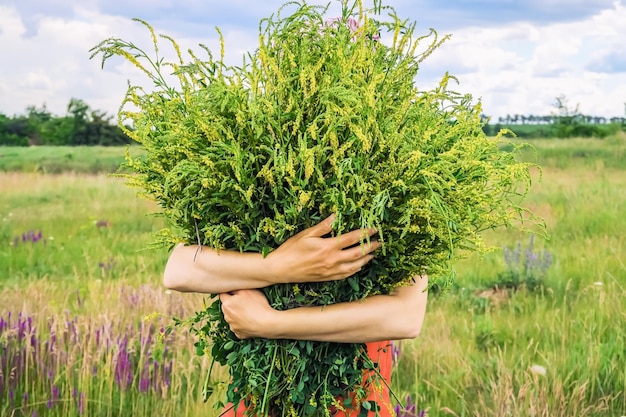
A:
(144, 380)
(167, 373)
(526, 265)
(123, 365)
(409, 410)
(55, 393)
(29, 236)
(81, 403)
(395, 352)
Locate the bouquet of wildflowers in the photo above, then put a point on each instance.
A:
(324, 117)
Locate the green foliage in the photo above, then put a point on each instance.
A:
(569, 123)
(321, 118)
(559, 128)
(14, 131)
(565, 123)
(576, 328)
(81, 126)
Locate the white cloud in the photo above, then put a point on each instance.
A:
(521, 68)
(517, 66)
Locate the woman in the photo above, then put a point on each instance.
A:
(308, 256)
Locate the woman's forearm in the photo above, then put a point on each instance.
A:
(308, 256)
(382, 317)
(205, 270)
(395, 316)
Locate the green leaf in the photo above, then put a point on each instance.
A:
(317, 120)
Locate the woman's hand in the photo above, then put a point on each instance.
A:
(311, 257)
(398, 315)
(247, 312)
(305, 257)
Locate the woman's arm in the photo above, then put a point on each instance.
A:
(381, 317)
(305, 257)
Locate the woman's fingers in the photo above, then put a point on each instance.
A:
(347, 269)
(322, 228)
(312, 256)
(352, 260)
(353, 267)
(357, 252)
(246, 312)
(350, 253)
(352, 238)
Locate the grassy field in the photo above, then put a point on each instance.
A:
(58, 159)
(536, 329)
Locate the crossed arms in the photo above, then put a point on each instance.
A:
(308, 256)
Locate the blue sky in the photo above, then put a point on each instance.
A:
(515, 56)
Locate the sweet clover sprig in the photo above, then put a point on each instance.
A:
(325, 116)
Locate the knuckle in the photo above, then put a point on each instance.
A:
(349, 269)
(353, 270)
(328, 264)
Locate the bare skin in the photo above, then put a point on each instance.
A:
(305, 257)
(381, 317)
(308, 256)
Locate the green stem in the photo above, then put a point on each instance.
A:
(206, 393)
(265, 412)
(375, 368)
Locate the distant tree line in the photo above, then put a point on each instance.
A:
(566, 122)
(552, 119)
(80, 126)
(85, 126)
(558, 127)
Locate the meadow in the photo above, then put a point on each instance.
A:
(534, 328)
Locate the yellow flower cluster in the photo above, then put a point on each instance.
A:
(322, 118)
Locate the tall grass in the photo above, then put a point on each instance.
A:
(484, 347)
(74, 227)
(83, 312)
(87, 307)
(609, 152)
(101, 352)
(490, 363)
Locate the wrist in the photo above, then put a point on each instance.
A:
(273, 269)
(271, 325)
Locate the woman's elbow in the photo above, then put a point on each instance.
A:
(411, 321)
(412, 330)
(408, 327)
(173, 279)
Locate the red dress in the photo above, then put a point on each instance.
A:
(380, 353)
